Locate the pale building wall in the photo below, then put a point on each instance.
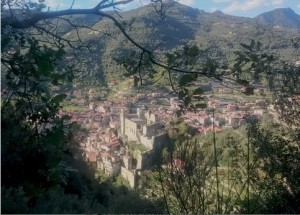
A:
(111, 168)
(130, 130)
(259, 112)
(139, 159)
(147, 141)
(233, 121)
(144, 160)
(122, 121)
(130, 176)
(127, 162)
(150, 130)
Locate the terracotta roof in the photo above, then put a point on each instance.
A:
(92, 157)
(105, 154)
(210, 128)
(180, 164)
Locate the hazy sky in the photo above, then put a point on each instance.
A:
(249, 8)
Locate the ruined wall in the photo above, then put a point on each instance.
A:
(147, 141)
(144, 160)
(130, 176)
(130, 130)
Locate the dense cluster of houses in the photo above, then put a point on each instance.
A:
(112, 125)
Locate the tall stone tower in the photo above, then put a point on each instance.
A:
(139, 159)
(127, 161)
(122, 121)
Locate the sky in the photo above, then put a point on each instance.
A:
(247, 8)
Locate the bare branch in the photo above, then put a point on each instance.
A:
(72, 4)
(27, 22)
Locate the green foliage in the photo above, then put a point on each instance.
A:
(277, 155)
(28, 111)
(120, 181)
(132, 203)
(286, 90)
(36, 145)
(258, 170)
(141, 147)
(184, 177)
(13, 200)
(34, 136)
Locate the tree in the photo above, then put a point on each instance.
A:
(29, 111)
(187, 175)
(274, 180)
(34, 136)
(276, 145)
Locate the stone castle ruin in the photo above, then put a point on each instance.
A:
(142, 128)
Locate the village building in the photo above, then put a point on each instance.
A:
(141, 133)
(109, 163)
(142, 127)
(127, 170)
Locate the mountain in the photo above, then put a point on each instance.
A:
(221, 34)
(284, 17)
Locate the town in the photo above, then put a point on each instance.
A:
(123, 136)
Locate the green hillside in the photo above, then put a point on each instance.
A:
(180, 25)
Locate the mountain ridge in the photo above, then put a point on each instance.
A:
(284, 17)
(180, 25)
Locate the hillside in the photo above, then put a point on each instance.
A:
(284, 17)
(181, 25)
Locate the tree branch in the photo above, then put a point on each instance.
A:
(34, 18)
